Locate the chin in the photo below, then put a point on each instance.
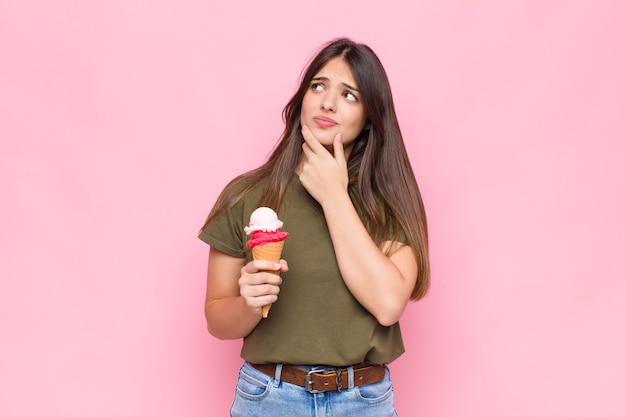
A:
(324, 136)
(326, 141)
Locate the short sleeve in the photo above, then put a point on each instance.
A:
(226, 233)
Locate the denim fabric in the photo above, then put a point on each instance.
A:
(259, 395)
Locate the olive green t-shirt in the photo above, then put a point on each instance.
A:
(316, 320)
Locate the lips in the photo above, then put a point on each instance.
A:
(324, 122)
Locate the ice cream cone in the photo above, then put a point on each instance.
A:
(268, 252)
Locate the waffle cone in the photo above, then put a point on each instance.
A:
(268, 252)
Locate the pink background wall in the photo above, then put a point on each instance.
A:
(120, 121)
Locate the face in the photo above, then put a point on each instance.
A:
(332, 105)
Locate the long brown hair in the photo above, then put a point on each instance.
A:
(381, 180)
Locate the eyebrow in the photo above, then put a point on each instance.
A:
(327, 79)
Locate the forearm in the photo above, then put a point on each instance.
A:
(381, 284)
(374, 280)
(236, 293)
(230, 318)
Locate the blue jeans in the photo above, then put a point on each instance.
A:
(260, 395)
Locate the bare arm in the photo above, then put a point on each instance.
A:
(382, 284)
(236, 293)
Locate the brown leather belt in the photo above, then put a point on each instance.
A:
(324, 380)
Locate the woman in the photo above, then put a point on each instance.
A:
(357, 252)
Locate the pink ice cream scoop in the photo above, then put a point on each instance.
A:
(264, 227)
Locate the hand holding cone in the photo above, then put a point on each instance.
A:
(268, 252)
(268, 241)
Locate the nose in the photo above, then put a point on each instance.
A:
(329, 102)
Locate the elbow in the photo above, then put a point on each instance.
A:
(387, 320)
(389, 310)
(225, 331)
(212, 326)
(389, 316)
(220, 334)
(221, 331)
(214, 333)
(214, 329)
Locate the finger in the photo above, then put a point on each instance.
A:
(259, 265)
(261, 295)
(263, 300)
(308, 152)
(251, 284)
(265, 287)
(311, 140)
(284, 266)
(268, 266)
(338, 149)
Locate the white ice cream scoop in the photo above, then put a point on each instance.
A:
(264, 219)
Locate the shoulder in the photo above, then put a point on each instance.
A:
(245, 186)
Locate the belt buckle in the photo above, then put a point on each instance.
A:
(308, 382)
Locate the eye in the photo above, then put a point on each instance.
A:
(316, 87)
(350, 97)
